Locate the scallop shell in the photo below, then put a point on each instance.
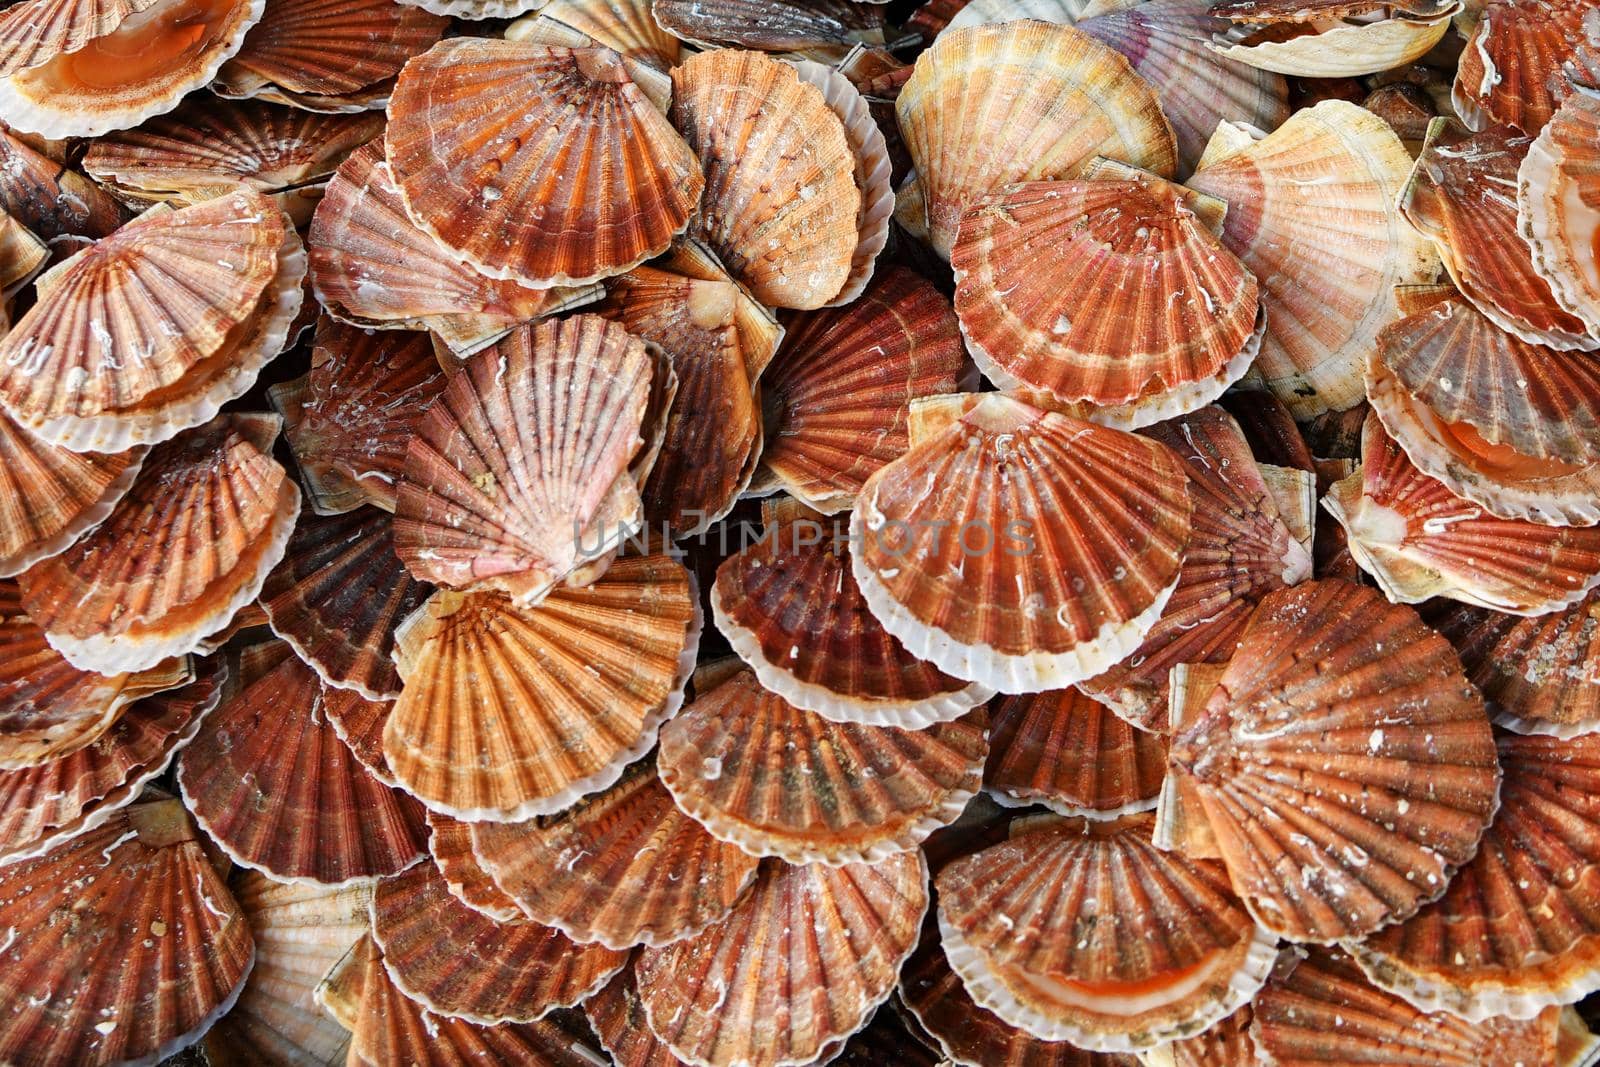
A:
(824, 30)
(1087, 100)
(836, 400)
(277, 790)
(1242, 548)
(1457, 198)
(104, 362)
(141, 68)
(476, 9)
(43, 806)
(1069, 931)
(781, 204)
(49, 199)
(624, 867)
(1542, 674)
(1326, 42)
(33, 33)
(450, 844)
(1274, 437)
(319, 54)
(50, 497)
(138, 590)
(338, 596)
(523, 456)
(1047, 602)
(790, 607)
(125, 944)
(575, 148)
(798, 966)
(359, 723)
(844, 793)
(600, 667)
(1419, 541)
(1329, 292)
(1558, 183)
(1146, 305)
(627, 27)
(1326, 1012)
(1342, 742)
(616, 1014)
(1516, 931)
(1510, 70)
(459, 962)
(1072, 754)
(1226, 1044)
(301, 931)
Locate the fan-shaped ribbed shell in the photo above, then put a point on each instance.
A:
(50, 497)
(791, 608)
(1040, 596)
(359, 723)
(836, 399)
(1419, 540)
(627, 27)
(1511, 67)
(600, 668)
(1087, 932)
(274, 786)
(1334, 39)
(1557, 190)
(1460, 196)
(1083, 100)
(623, 867)
(616, 1014)
(149, 331)
(1243, 547)
(459, 962)
(841, 793)
(139, 588)
(338, 596)
(450, 844)
(542, 164)
(823, 30)
(1344, 763)
(49, 200)
(1072, 754)
(1541, 674)
(38, 31)
(526, 448)
(301, 931)
(799, 965)
(332, 48)
(1328, 291)
(1518, 929)
(1326, 1013)
(123, 945)
(1144, 304)
(780, 202)
(45, 805)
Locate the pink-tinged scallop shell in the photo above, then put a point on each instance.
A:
(139, 589)
(328, 55)
(823, 30)
(843, 792)
(781, 203)
(48, 707)
(1344, 744)
(459, 962)
(1418, 540)
(338, 596)
(1244, 545)
(1084, 98)
(1146, 311)
(49, 199)
(600, 667)
(273, 785)
(836, 399)
(125, 945)
(1329, 39)
(589, 178)
(1086, 932)
(1516, 931)
(450, 845)
(1542, 674)
(301, 931)
(1325, 1013)
(1460, 197)
(1022, 588)
(799, 965)
(627, 27)
(150, 331)
(790, 606)
(50, 803)
(1328, 293)
(50, 496)
(1558, 188)
(1511, 68)
(1072, 754)
(525, 453)
(624, 867)
(351, 419)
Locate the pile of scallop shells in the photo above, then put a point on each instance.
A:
(1016, 533)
